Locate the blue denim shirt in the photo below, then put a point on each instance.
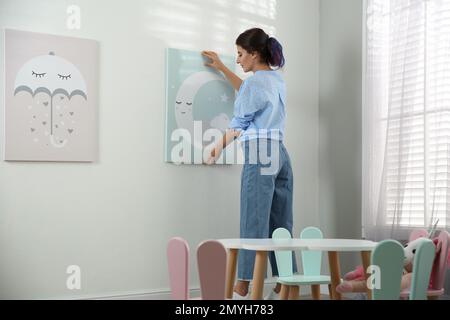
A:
(259, 109)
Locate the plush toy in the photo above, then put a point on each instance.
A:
(355, 280)
(410, 252)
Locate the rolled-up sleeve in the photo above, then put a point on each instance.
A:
(241, 123)
(248, 102)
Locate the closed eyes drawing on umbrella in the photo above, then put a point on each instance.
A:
(59, 80)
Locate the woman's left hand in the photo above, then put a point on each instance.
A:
(215, 61)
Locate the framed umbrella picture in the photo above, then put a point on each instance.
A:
(51, 106)
(199, 108)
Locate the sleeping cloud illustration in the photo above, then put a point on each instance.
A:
(199, 106)
(220, 122)
(185, 101)
(53, 83)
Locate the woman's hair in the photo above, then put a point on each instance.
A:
(270, 50)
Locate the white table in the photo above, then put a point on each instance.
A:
(262, 246)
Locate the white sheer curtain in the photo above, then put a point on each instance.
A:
(406, 117)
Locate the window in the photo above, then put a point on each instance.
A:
(407, 114)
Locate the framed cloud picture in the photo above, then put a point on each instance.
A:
(51, 104)
(199, 107)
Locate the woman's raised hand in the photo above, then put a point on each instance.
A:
(215, 61)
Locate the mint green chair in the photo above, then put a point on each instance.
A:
(422, 265)
(388, 257)
(311, 261)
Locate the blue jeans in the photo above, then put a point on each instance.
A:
(266, 198)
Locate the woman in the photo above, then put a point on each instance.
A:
(259, 121)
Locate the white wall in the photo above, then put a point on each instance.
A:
(340, 121)
(113, 218)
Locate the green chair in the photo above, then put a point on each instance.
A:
(311, 261)
(422, 265)
(388, 257)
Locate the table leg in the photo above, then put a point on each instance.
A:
(259, 272)
(315, 291)
(294, 293)
(365, 255)
(284, 293)
(335, 273)
(231, 272)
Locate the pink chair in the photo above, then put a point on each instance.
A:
(212, 262)
(439, 265)
(178, 261)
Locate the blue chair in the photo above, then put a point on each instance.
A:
(422, 265)
(388, 257)
(311, 261)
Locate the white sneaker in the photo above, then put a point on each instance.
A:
(272, 296)
(237, 296)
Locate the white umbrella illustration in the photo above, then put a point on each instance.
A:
(52, 75)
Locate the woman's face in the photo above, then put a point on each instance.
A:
(245, 59)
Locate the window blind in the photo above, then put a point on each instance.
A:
(408, 52)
